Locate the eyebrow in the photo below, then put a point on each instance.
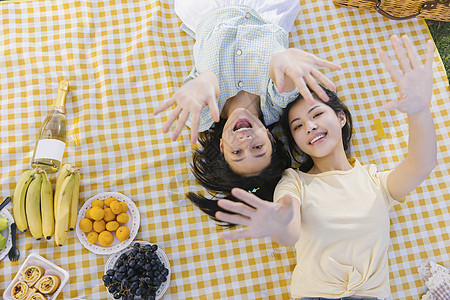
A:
(257, 156)
(312, 108)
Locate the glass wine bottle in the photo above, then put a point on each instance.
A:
(51, 138)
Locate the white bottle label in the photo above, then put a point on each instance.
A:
(50, 148)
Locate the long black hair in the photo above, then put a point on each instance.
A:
(305, 161)
(215, 175)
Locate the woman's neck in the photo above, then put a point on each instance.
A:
(242, 100)
(337, 161)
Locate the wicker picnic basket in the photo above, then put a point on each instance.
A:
(438, 10)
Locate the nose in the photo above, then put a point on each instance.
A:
(310, 126)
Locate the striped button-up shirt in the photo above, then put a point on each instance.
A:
(236, 44)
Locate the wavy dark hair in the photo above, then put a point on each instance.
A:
(213, 173)
(305, 161)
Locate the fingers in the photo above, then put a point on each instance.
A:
(325, 63)
(312, 83)
(214, 109)
(278, 75)
(233, 219)
(393, 70)
(430, 55)
(247, 197)
(173, 116)
(325, 81)
(236, 207)
(391, 105)
(195, 123)
(180, 124)
(400, 54)
(411, 51)
(164, 106)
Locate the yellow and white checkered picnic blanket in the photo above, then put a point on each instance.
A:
(123, 58)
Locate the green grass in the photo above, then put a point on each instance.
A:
(440, 31)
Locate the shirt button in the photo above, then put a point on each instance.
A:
(248, 15)
(240, 84)
(238, 52)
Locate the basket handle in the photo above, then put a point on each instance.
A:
(425, 6)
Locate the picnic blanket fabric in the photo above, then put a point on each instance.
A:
(122, 59)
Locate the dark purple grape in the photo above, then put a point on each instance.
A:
(110, 272)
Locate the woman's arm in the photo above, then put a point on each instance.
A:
(280, 220)
(415, 82)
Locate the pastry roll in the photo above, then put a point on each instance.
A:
(48, 284)
(36, 296)
(19, 291)
(32, 274)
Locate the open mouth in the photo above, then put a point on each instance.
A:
(242, 124)
(317, 138)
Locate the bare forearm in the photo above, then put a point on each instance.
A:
(422, 156)
(422, 148)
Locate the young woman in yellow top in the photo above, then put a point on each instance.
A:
(334, 210)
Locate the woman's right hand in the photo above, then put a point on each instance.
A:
(261, 218)
(296, 68)
(191, 98)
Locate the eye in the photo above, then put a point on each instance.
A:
(236, 151)
(318, 114)
(258, 147)
(297, 127)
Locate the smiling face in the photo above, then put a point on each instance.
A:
(246, 143)
(316, 129)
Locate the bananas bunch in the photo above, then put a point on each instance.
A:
(66, 202)
(36, 209)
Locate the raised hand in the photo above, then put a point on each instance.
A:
(296, 68)
(414, 80)
(191, 98)
(261, 218)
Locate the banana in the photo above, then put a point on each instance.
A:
(48, 220)
(75, 197)
(19, 199)
(33, 206)
(63, 173)
(63, 203)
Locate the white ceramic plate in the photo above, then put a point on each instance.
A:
(133, 223)
(50, 269)
(161, 255)
(6, 233)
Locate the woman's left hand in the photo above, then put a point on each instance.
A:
(261, 218)
(414, 80)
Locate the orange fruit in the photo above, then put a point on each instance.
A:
(109, 215)
(122, 233)
(92, 237)
(105, 238)
(108, 201)
(112, 226)
(122, 218)
(116, 207)
(96, 213)
(98, 203)
(124, 207)
(87, 214)
(85, 225)
(99, 225)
